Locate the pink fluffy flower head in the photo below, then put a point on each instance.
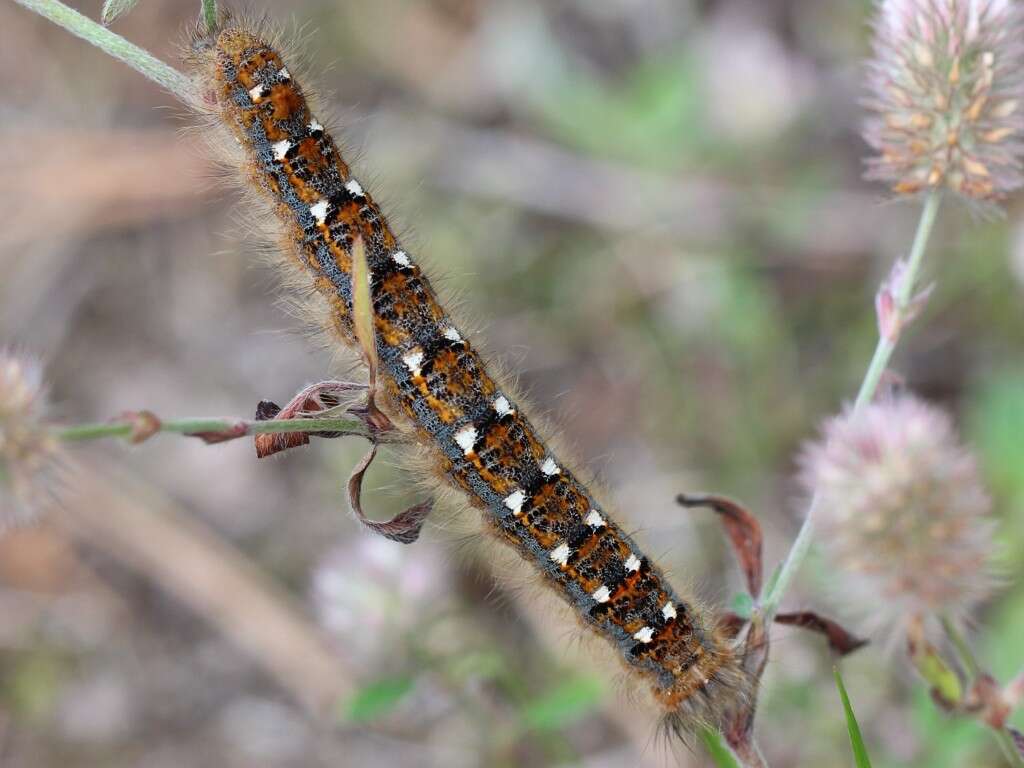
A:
(901, 515)
(946, 86)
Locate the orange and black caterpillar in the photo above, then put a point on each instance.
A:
(483, 442)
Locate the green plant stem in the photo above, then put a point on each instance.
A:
(869, 386)
(973, 669)
(234, 427)
(886, 346)
(208, 10)
(112, 43)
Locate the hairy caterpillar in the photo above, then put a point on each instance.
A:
(482, 441)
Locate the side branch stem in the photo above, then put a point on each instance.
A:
(220, 426)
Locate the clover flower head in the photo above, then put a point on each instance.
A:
(901, 512)
(946, 87)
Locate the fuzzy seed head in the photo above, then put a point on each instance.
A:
(946, 87)
(28, 451)
(901, 513)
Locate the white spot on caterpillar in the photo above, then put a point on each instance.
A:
(602, 594)
(645, 635)
(315, 126)
(466, 438)
(354, 188)
(503, 406)
(594, 519)
(549, 467)
(257, 92)
(452, 335)
(319, 211)
(633, 564)
(284, 74)
(560, 554)
(668, 610)
(514, 501)
(413, 360)
(401, 258)
(281, 148)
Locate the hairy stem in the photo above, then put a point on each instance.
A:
(217, 426)
(208, 11)
(885, 347)
(868, 388)
(140, 60)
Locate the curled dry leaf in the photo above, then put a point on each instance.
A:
(743, 530)
(314, 399)
(745, 535)
(404, 527)
(840, 640)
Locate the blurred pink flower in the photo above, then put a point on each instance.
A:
(369, 592)
(28, 451)
(901, 513)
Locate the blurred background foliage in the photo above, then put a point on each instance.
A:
(653, 212)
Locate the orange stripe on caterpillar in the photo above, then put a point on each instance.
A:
(485, 445)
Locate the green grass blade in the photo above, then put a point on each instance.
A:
(720, 754)
(860, 752)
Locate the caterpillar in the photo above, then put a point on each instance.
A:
(432, 376)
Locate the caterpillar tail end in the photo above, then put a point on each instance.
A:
(706, 693)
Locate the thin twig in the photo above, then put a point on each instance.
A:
(227, 428)
(869, 386)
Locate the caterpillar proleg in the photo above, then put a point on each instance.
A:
(431, 376)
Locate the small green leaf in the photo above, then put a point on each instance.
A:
(377, 699)
(931, 666)
(115, 9)
(935, 671)
(563, 704)
(860, 752)
(720, 754)
(362, 308)
(743, 605)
